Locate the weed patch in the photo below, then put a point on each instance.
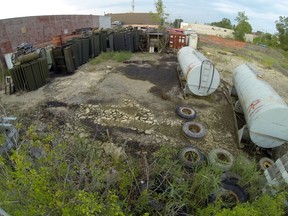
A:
(111, 56)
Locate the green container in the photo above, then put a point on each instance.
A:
(36, 70)
(29, 77)
(69, 59)
(136, 40)
(28, 57)
(18, 78)
(85, 49)
(97, 47)
(75, 54)
(76, 51)
(104, 41)
(43, 64)
(91, 47)
(59, 59)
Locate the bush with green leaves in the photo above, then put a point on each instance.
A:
(42, 176)
(263, 205)
(67, 179)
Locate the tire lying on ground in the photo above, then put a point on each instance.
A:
(230, 178)
(265, 163)
(186, 112)
(221, 158)
(229, 195)
(192, 157)
(194, 130)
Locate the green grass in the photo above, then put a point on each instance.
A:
(112, 56)
(268, 61)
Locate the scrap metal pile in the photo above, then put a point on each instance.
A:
(260, 114)
(30, 70)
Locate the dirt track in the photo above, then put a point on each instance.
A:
(135, 103)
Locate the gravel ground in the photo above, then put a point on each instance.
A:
(134, 103)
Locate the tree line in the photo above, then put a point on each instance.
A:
(279, 39)
(242, 27)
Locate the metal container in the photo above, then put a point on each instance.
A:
(202, 78)
(119, 41)
(91, 47)
(136, 40)
(28, 57)
(265, 112)
(29, 76)
(97, 45)
(85, 50)
(193, 40)
(129, 44)
(103, 40)
(177, 40)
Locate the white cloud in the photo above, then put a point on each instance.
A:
(262, 13)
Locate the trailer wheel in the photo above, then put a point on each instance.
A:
(221, 158)
(265, 163)
(186, 112)
(192, 157)
(194, 130)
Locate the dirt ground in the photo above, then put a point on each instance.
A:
(134, 103)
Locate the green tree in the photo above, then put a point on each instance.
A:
(243, 27)
(266, 39)
(282, 28)
(241, 17)
(177, 23)
(160, 16)
(224, 23)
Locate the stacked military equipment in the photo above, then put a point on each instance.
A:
(30, 70)
(69, 54)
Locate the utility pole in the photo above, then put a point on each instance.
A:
(133, 6)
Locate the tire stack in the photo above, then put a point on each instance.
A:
(230, 192)
(190, 128)
(191, 156)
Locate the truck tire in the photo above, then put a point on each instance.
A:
(192, 157)
(221, 158)
(194, 130)
(186, 112)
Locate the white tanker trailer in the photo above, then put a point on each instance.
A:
(265, 112)
(200, 76)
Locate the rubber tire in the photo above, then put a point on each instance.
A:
(200, 133)
(265, 163)
(213, 157)
(181, 112)
(198, 162)
(238, 193)
(230, 178)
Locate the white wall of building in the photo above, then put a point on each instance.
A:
(105, 22)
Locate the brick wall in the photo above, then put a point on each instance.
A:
(40, 29)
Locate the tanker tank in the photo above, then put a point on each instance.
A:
(265, 112)
(199, 74)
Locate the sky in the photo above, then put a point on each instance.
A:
(262, 14)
